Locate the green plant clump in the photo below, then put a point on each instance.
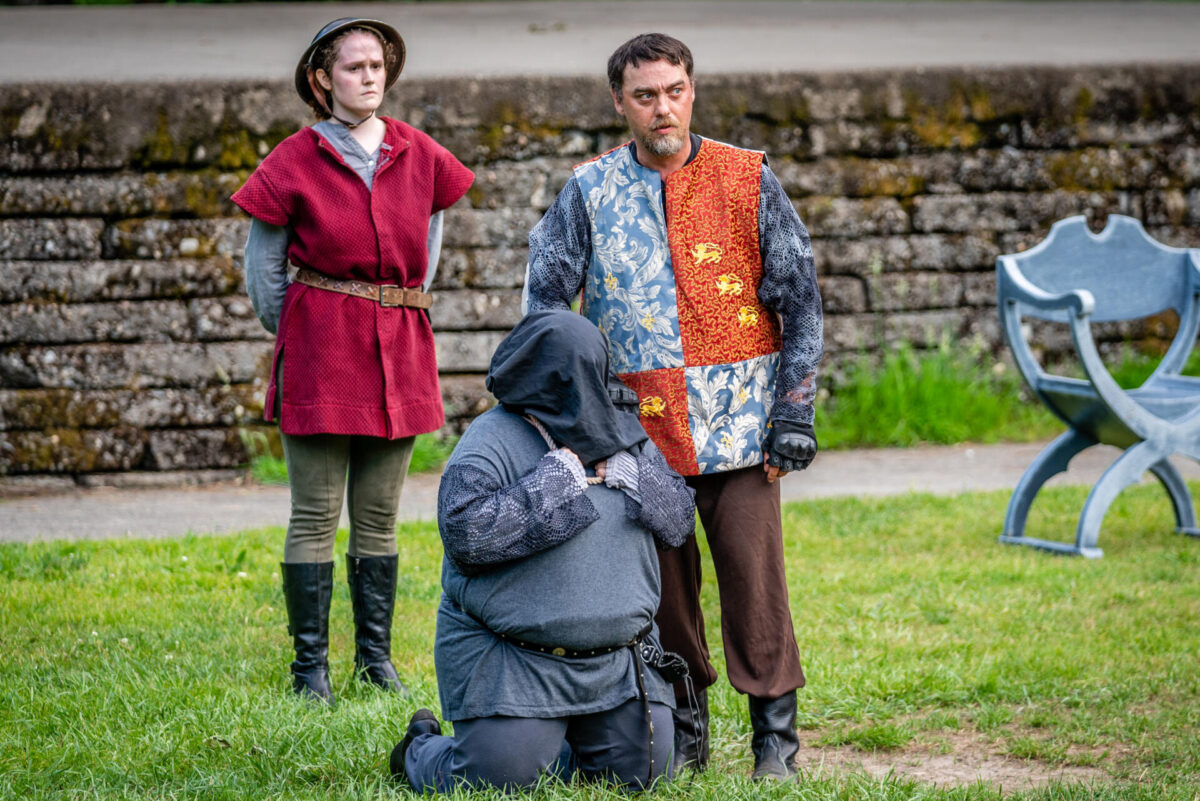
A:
(953, 394)
(431, 451)
(942, 396)
(1130, 368)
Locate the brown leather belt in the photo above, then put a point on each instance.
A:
(386, 295)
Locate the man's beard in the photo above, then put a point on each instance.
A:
(663, 146)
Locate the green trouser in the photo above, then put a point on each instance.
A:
(320, 469)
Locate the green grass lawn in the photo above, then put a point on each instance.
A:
(157, 669)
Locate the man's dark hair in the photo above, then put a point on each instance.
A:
(647, 47)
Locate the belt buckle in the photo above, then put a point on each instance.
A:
(394, 291)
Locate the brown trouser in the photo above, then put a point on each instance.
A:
(740, 514)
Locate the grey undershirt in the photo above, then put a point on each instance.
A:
(267, 277)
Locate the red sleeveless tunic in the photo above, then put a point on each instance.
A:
(351, 366)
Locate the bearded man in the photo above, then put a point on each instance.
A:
(691, 258)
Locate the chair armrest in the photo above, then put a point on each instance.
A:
(1013, 286)
(1133, 414)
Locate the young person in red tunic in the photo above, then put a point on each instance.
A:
(354, 203)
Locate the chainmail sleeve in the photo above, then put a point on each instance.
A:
(667, 508)
(484, 524)
(789, 287)
(560, 247)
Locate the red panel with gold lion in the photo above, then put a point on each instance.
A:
(663, 410)
(712, 227)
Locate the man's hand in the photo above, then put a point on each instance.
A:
(789, 446)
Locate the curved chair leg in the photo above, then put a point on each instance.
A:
(1120, 474)
(1181, 497)
(1053, 460)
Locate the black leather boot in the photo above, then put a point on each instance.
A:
(775, 742)
(307, 590)
(422, 722)
(691, 735)
(373, 595)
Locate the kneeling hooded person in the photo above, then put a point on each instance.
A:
(550, 510)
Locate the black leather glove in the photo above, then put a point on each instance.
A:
(790, 446)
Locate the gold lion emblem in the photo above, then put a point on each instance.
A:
(652, 406)
(729, 284)
(747, 316)
(707, 253)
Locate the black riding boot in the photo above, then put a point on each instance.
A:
(373, 594)
(307, 590)
(775, 742)
(691, 734)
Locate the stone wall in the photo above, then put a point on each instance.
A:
(128, 351)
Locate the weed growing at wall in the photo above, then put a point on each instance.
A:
(941, 396)
(948, 395)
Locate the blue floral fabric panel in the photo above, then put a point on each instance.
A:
(728, 409)
(629, 292)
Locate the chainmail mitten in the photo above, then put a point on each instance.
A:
(668, 505)
(484, 524)
(790, 288)
(560, 247)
